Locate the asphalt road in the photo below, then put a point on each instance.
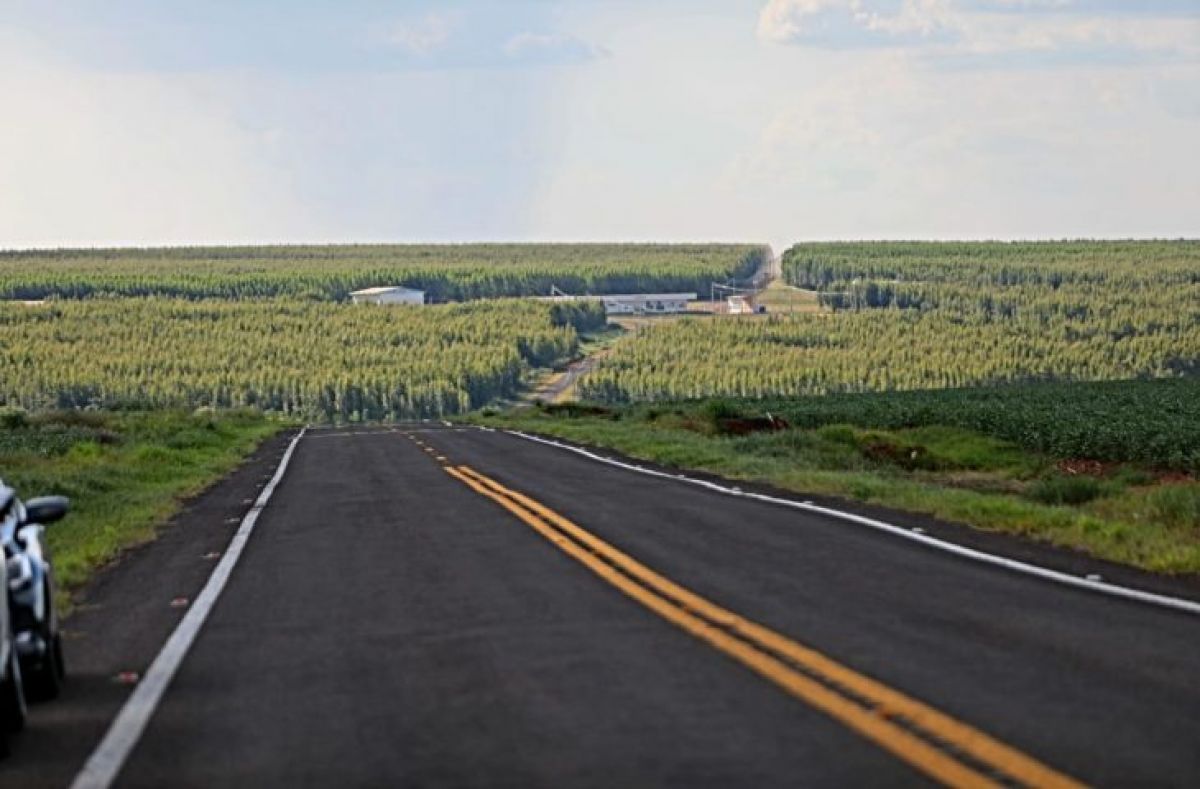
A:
(392, 623)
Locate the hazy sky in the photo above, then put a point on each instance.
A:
(150, 121)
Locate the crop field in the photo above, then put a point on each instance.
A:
(903, 272)
(286, 356)
(269, 327)
(1156, 423)
(330, 273)
(923, 316)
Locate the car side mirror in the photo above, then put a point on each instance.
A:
(46, 509)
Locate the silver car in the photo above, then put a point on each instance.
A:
(12, 690)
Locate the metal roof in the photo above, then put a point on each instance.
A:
(649, 297)
(384, 289)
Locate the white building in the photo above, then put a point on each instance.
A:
(389, 295)
(739, 305)
(646, 303)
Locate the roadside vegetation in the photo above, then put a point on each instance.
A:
(124, 472)
(1154, 422)
(457, 272)
(1012, 459)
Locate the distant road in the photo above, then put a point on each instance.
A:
(425, 606)
(771, 270)
(563, 384)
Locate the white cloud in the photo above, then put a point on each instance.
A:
(919, 17)
(782, 21)
(554, 46)
(1035, 5)
(787, 143)
(696, 130)
(424, 35)
(1099, 35)
(886, 149)
(791, 21)
(962, 29)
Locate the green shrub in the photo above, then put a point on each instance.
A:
(719, 409)
(1176, 505)
(13, 418)
(1133, 477)
(889, 450)
(1065, 490)
(839, 434)
(575, 410)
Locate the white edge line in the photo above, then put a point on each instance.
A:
(1165, 601)
(106, 761)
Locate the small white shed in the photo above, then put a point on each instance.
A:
(395, 294)
(739, 305)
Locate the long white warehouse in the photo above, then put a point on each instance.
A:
(646, 303)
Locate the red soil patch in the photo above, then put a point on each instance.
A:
(1099, 468)
(742, 426)
(1087, 468)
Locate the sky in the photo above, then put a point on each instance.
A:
(145, 122)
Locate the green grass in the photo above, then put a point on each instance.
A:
(779, 297)
(946, 471)
(1066, 490)
(125, 473)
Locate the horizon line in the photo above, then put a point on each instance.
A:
(135, 246)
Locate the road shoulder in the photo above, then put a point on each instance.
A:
(1009, 546)
(122, 617)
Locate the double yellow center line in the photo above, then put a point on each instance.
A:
(940, 746)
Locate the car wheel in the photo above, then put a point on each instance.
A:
(12, 702)
(44, 681)
(60, 661)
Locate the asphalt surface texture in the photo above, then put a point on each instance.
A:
(388, 625)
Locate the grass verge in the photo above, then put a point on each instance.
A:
(1123, 513)
(126, 473)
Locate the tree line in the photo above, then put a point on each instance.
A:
(331, 273)
(296, 357)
